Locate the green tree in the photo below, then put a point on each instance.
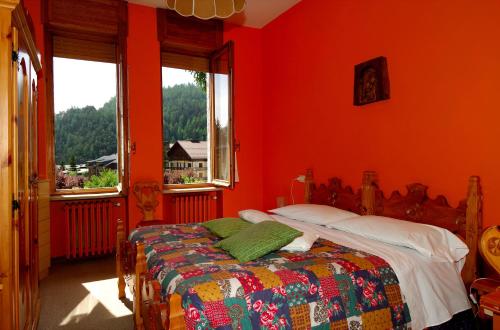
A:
(107, 178)
(184, 113)
(72, 163)
(200, 79)
(86, 133)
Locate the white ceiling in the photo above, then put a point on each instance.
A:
(256, 14)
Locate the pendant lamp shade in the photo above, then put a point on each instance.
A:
(206, 9)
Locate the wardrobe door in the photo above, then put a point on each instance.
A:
(22, 250)
(33, 196)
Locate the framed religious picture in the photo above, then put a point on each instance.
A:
(371, 81)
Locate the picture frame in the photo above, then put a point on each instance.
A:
(371, 81)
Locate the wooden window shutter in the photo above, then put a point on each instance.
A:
(84, 49)
(96, 17)
(186, 62)
(188, 35)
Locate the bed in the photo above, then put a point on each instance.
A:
(179, 280)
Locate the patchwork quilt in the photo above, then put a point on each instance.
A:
(328, 287)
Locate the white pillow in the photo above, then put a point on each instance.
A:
(254, 216)
(428, 240)
(302, 243)
(314, 213)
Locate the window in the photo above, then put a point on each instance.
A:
(86, 95)
(221, 121)
(88, 123)
(85, 131)
(197, 118)
(184, 125)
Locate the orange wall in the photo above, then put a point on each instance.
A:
(440, 125)
(248, 119)
(145, 117)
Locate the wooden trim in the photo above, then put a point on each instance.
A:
(368, 186)
(176, 316)
(44, 227)
(49, 107)
(86, 196)
(122, 96)
(473, 224)
(140, 270)
(14, 130)
(22, 25)
(84, 191)
(6, 102)
(187, 186)
(9, 4)
(191, 190)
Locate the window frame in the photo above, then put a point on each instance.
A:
(121, 116)
(229, 48)
(185, 62)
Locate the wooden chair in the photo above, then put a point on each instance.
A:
(490, 247)
(489, 288)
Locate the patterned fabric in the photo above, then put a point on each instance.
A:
(258, 240)
(328, 287)
(225, 227)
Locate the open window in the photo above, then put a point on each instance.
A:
(85, 43)
(221, 116)
(86, 117)
(198, 119)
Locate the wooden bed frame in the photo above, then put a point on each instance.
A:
(416, 206)
(464, 221)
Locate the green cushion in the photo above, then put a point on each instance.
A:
(225, 227)
(258, 240)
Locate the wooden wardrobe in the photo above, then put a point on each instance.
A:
(19, 64)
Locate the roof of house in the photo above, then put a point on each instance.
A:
(196, 150)
(104, 159)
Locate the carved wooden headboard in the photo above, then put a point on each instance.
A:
(416, 206)
(333, 194)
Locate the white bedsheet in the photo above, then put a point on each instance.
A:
(434, 290)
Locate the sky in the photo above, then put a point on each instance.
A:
(80, 83)
(89, 90)
(171, 77)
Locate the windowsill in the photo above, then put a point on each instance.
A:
(66, 197)
(190, 190)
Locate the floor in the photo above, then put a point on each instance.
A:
(83, 295)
